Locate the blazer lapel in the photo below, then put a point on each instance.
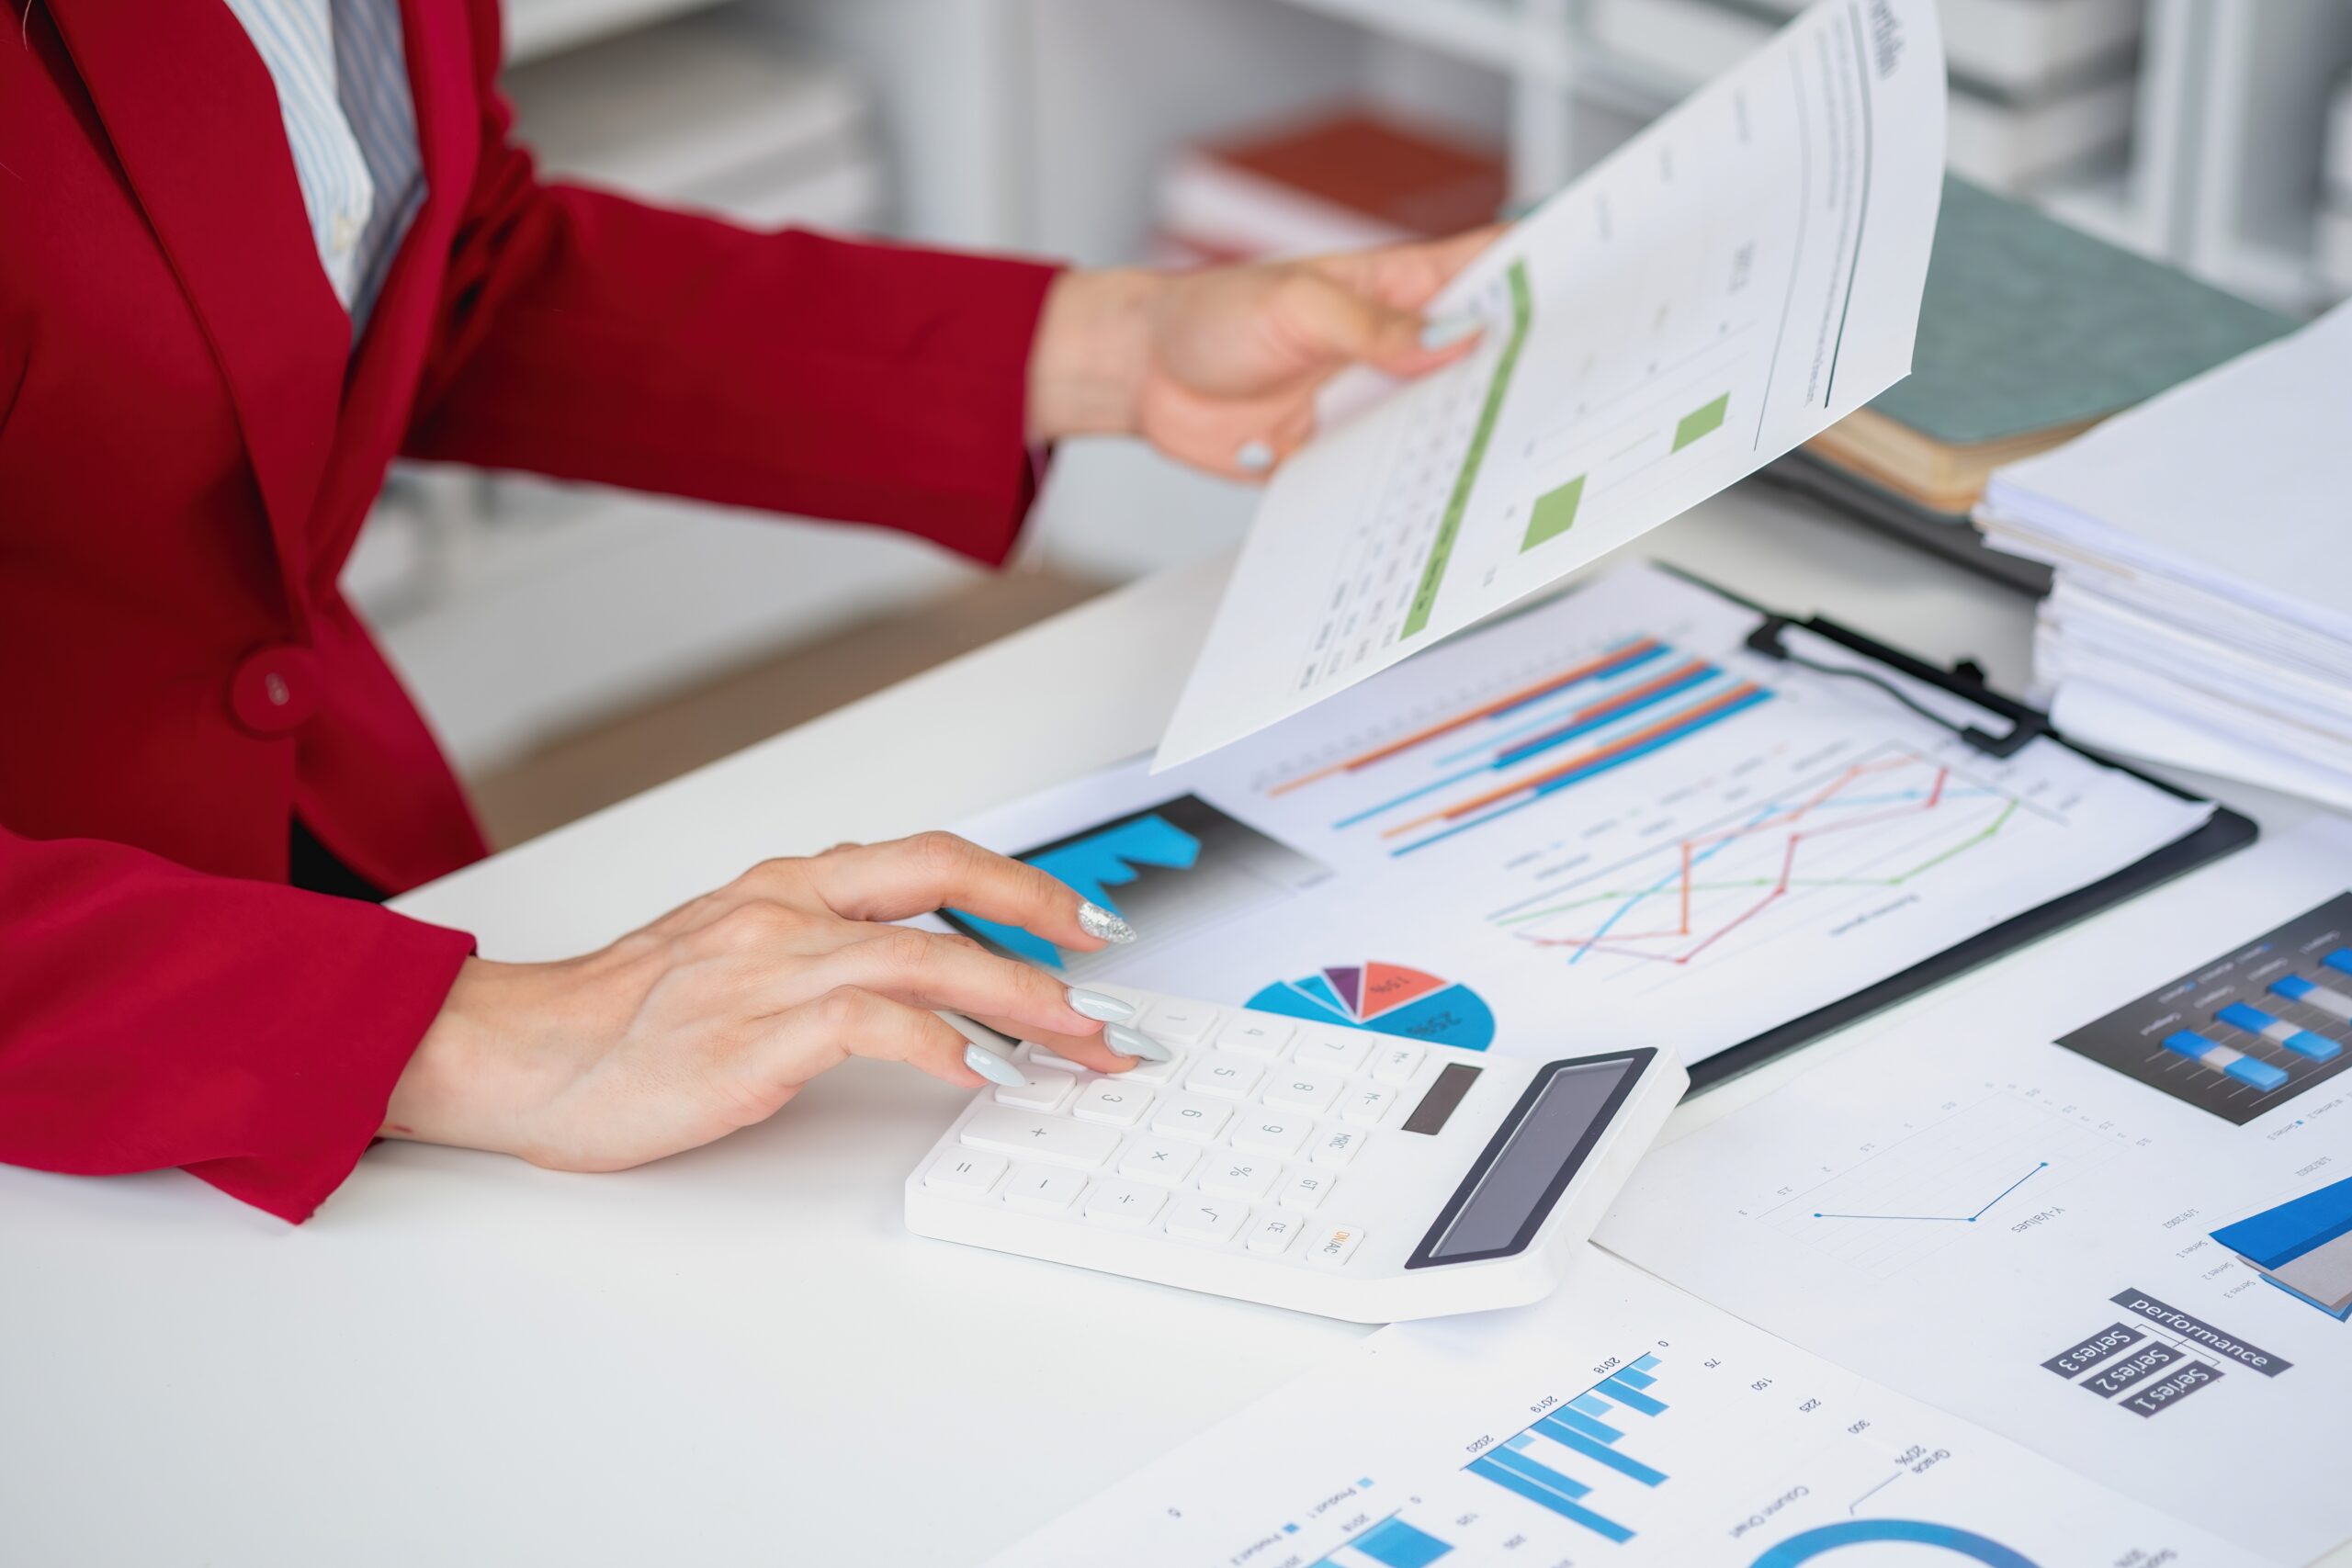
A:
(193, 118)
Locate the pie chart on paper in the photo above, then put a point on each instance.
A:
(1388, 998)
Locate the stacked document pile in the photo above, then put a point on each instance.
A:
(2199, 616)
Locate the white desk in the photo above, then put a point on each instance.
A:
(737, 1354)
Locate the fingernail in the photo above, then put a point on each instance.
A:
(1444, 331)
(1095, 1005)
(1102, 925)
(993, 1067)
(1255, 457)
(1128, 1042)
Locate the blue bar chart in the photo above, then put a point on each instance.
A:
(2246, 1031)
(1558, 1462)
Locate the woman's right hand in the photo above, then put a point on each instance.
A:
(714, 1015)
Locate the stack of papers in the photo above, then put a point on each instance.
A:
(2200, 616)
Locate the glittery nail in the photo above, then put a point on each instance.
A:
(1102, 925)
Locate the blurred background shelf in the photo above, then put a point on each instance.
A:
(2214, 134)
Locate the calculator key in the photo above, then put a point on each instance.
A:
(1397, 1064)
(1272, 1235)
(1307, 1191)
(1366, 1103)
(1194, 1116)
(1223, 1176)
(1163, 1160)
(1131, 1204)
(1155, 1073)
(1274, 1134)
(965, 1172)
(1334, 1244)
(1041, 1190)
(1205, 1219)
(1053, 1139)
(1333, 1052)
(1045, 1092)
(1034, 1056)
(1256, 1035)
(1295, 1090)
(1113, 1100)
(1173, 1022)
(1222, 1072)
(1337, 1147)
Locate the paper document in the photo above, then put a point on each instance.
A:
(1619, 1422)
(1599, 823)
(1736, 277)
(2098, 1198)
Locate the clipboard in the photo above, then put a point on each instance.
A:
(2223, 833)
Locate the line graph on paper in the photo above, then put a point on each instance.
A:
(1898, 1185)
(1838, 844)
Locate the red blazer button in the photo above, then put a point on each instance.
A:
(275, 688)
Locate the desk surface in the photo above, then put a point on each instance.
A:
(736, 1354)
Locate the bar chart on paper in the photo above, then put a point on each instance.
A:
(1521, 1439)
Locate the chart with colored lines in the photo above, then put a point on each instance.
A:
(1635, 699)
(1806, 854)
(1620, 1422)
(2246, 1031)
(1388, 998)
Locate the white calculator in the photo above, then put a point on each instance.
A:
(1339, 1171)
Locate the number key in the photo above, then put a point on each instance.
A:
(1256, 1035)
(1111, 1100)
(1334, 1053)
(1193, 1116)
(1274, 1134)
(1295, 1090)
(1222, 1072)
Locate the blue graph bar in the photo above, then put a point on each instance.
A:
(1399, 1545)
(2253, 1019)
(1645, 1363)
(2340, 961)
(1632, 1398)
(2318, 1048)
(1543, 1474)
(2214, 1055)
(1603, 1453)
(1637, 1377)
(1530, 726)
(1611, 710)
(1577, 1421)
(1608, 1529)
(2294, 988)
(1592, 1404)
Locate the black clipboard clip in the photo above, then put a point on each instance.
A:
(1964, 680)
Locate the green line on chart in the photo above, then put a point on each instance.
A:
(1699, 421)
(1554, 514)
(1441, 548)
(1621, 895)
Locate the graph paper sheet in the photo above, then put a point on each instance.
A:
(1621, 1422)
(1735, 278)
(2093, 1198)
(1599, 823)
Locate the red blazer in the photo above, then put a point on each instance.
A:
(188, 442)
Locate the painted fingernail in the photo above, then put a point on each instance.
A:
(1102, 925)
(1255, 457)
(993, 1067)
(1130, 1041)
(1096, 1005)
(1444, 331)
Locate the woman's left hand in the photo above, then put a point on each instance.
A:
(1220, 367)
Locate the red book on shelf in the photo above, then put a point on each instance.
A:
(1353, 176)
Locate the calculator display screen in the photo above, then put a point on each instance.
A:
(1530, 1160)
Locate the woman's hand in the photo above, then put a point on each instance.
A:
(1220, 367)
(716, 1014)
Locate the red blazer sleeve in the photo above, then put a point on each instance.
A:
(587, 336)
(152, 1016)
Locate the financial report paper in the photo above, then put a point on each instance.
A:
(1732, 280)
(1602, 822)
(2098, 1198)
(1620, 1421)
